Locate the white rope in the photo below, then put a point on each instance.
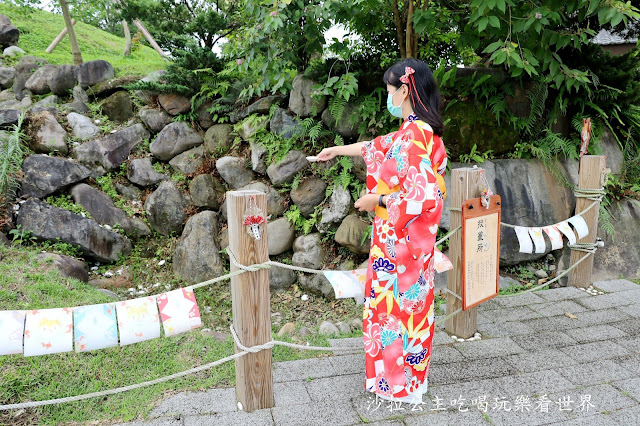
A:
(453, 314)
(457, 296)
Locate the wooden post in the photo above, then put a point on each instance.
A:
(591, 176)
(465, 183)
(251, 304)
(127, 38)
(75, 49)
(60, 36)
(148, 36)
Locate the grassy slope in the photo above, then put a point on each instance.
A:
(38, 28)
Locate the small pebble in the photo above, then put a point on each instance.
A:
(162, 262)
(94, 268)
(108, 274)
(304, 298)
(113, 131)
(454, 337)
(460, 339)
(471, 339)
(167, 287)
(131, 290)
(156, 285)
(82, 214)
(141, 292)
(119, 272)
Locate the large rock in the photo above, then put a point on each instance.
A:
(80, 95)
(165, 208)
(205, 191)
(52, 223)
(146, 96)
(261, 106)
(309, 194)
(275, 202)
(12, 51)
(250, 126)
(9, 117)
(38, 82)
(348, 123)
(25, 68)
(94, 72)
(173, 139)
(174, 104)
(281, 279)
(50, 136)
(9, 33)
(154, 119)
(141, 172)
(110, 86)
(205, 119)
(118, 107)
(197, 256)
(50, 104)
(531, 196)
(351, 233)
(189, 161)
(44, 175)
(317, 284)
(282, 123)
(338, 208)
(68, 266)
(258, 157)
(102, 155)
(286, 169)
(63, 80)
(82, 127)
(218, 139)
(234, 172)
(22, 104)
(300, 100)
(308, 251)
(6, 77)
(76, 106)
(619, 257)
(281, 233)
(101, 208)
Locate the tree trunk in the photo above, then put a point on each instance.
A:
(399, 29)
(75, 49)
(127, 38)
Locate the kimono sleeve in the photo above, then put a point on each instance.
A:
(373, 153)
(418, 185)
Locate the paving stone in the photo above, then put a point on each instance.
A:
(489, 305)
(348, 364)
(503, 329)
(348, 342)
(550, 309)
(602, 316)
(445, 355)
(468, 392)
(536, 383)
(540, 360)
(630, 327)
(631, 343)
(603, 399)
(629, 362)
(288, 393)
(523, 416)
(447, 418)
(627, 416)
(371, 408)
(387, 423)
(595, 420)
(594, 373)
(302, 369)
(544, 339)
(616, 285)
(237, 418)
(509, 314)
(467, 371)
(523, 299)
(333, 388)
(186, 403)
(595, 333)
(611, 300)
(633, 310)
(162, 421)
(441, 338)
(562, 293)
(594, 351)
(333, 412)
(629, 387)
(489, 348)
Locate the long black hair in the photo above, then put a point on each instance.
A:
(423, 91)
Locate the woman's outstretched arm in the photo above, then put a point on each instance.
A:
(352, 150)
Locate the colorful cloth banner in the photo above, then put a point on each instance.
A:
(348, 283)
(11, 332)
(567, 231)
(580, 225)
(441, 262)
(538, 239)
(554, 236)
(179, 311)
(48, 331)
(137, 320)
(526, 246)
(95, 327)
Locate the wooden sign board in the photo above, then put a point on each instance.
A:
(480, 251)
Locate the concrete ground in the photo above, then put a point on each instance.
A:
(534, 366)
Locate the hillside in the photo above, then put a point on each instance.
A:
(38, 28)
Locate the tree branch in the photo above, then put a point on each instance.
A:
(399, 30)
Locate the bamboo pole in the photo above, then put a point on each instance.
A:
(148, 36)
(590, 176)
(75, 49)
(465, 184)
(127, 38)
(60, 36)
(250, 304)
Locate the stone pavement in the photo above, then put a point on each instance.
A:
(534, 366)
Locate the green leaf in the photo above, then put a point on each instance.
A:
(482, 23)
(501, 5)
(494, 21)
(492, 47)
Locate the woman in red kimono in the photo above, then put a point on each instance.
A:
(406, 189)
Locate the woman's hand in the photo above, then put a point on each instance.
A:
(328, 153)
(367, 203)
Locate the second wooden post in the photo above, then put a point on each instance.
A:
(251, 303)
(465, 183)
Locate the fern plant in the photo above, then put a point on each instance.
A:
(12, 151)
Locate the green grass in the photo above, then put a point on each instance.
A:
(38, 28)
(26, 283)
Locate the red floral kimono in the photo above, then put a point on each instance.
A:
(398, 320)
